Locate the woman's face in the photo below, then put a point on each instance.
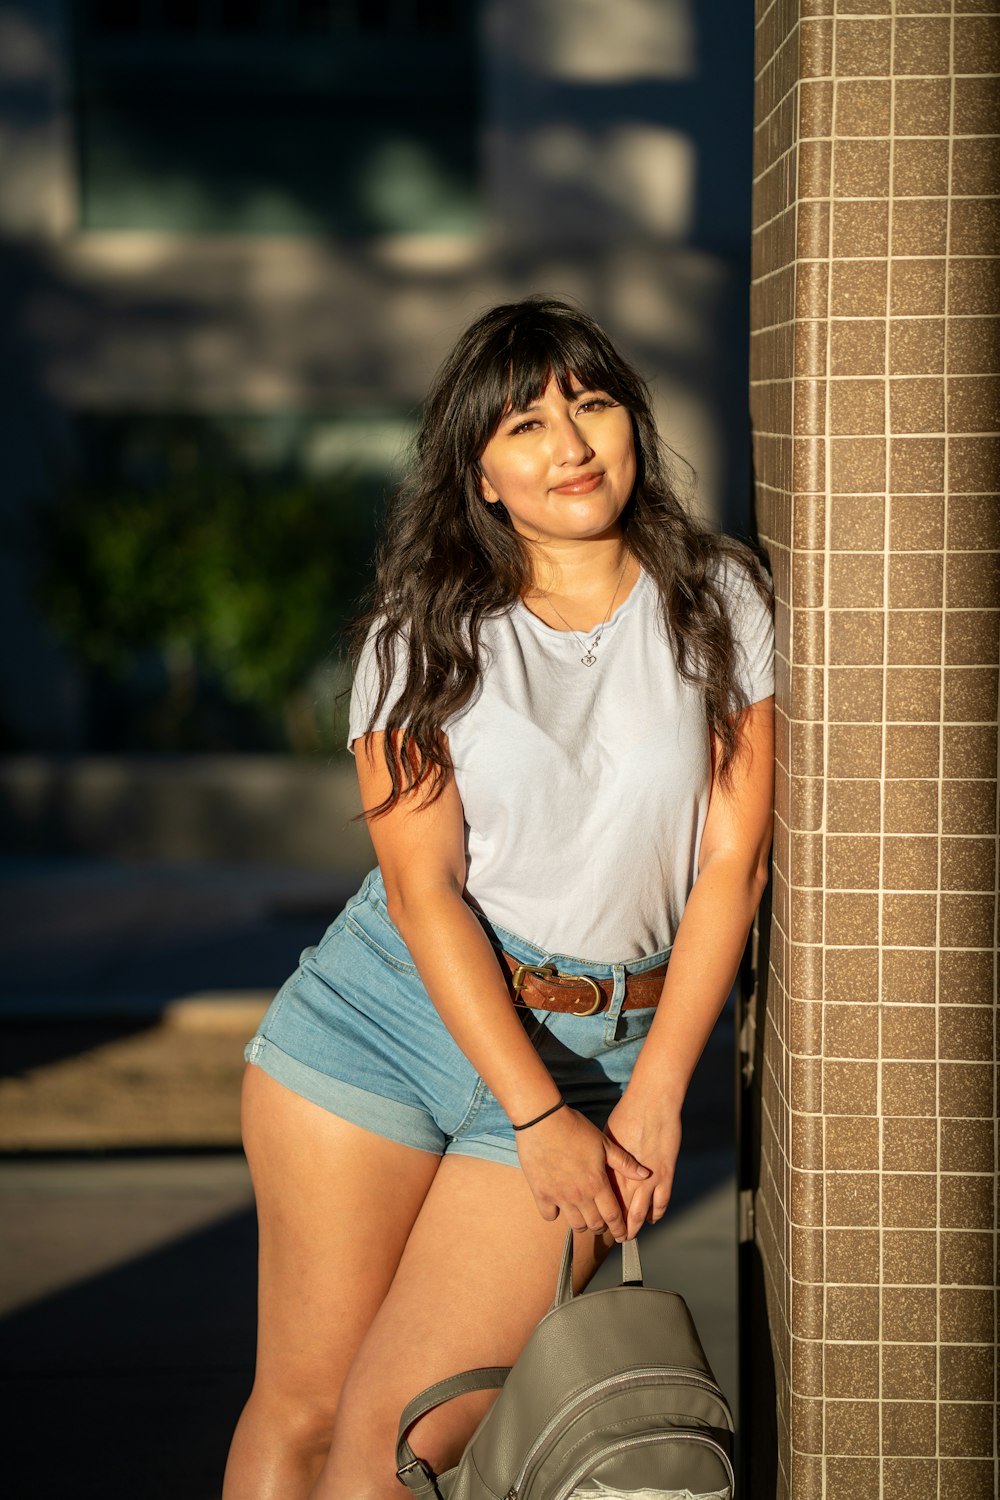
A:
(564, 468)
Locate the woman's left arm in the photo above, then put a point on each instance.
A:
(708, 947)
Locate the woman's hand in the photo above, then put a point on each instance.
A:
(566, 1161)
(654, 1135)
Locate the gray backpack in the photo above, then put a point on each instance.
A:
(612, 1397)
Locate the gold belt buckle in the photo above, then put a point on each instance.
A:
(544, 971)
(549, 971)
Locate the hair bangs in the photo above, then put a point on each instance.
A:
(517, 369)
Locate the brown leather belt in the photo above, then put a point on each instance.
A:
(542, 987)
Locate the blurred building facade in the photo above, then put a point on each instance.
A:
(282, 212)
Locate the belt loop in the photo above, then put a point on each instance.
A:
(617, 1000)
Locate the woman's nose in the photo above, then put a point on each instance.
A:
(571, 446)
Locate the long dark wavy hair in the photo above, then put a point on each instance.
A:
(447, 561)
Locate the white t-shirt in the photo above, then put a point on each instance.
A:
(585, 789)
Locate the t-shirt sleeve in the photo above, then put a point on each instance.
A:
(364, 690)
(753, 626)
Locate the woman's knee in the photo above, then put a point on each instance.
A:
(301, 1419)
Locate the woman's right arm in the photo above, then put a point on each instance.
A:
(420, 847)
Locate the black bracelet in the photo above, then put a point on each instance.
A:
(543, 1116)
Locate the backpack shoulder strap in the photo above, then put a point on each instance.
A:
(417, 1475)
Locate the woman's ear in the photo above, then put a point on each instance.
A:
(487, 491)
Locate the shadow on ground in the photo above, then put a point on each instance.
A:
(130, 1383)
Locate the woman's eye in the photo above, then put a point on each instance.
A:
(522, 427)
(597, 402)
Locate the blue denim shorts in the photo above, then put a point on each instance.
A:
(354, 1030)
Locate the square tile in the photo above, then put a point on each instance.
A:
(909, 1031)
(851, 1145)
(909, 1427)
(857, 345)
(974, 523)
(970, 695)
(974, 167)
(852, 921)
(857, 523)
(911, 807)
(973, 581)
(912, 751)
(858, 406)
(922, 106)
(852, 862)
(914, 637)
(968, 920)
(855, 750)
(969, 750)
(852, 1313)
(972, 288)
(967, 1032)
(856, 580)
(909, 1256)
(917, 286)
(916, 346)
(971, 637)
(967, 1201)
(863, 49)
(908, 976)
(861, 228)
(967, 1315)
(912, 695)
(916, 525)
(966, 1373)
(977, 104)
(854, 694)
(909, 1314)
(851, 1256)
(851, 1370)
(908, 1088)
(909, 921)
(975, 224)
(856, 636)
(861, 168)
(909, 1372)
(916, 405)
(863, 106)
(916, 464)
(909, 1145)
(909, 1200)
(966, 1258)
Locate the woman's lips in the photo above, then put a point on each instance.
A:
(581, 486)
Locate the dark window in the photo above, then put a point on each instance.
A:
(351, 117)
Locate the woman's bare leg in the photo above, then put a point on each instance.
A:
(335, 1205)
(477, 1273)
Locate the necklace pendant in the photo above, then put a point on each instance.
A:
(589, 659)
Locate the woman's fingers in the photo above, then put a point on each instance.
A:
(623, 1161)
(607, 1206)
(638, 1210)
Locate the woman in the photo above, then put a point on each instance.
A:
(562, 725)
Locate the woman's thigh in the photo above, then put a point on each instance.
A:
(335, 1206)
(478, 1271)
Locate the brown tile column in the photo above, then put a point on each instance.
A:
(876, 407)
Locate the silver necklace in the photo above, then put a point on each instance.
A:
(588, 658)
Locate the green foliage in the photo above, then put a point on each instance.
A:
(248, 580)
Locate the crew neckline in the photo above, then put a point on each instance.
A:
(575, 635)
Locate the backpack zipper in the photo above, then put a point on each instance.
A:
(678, 1375)
(637, 1442)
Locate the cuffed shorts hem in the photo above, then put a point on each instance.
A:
(387, 1117)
